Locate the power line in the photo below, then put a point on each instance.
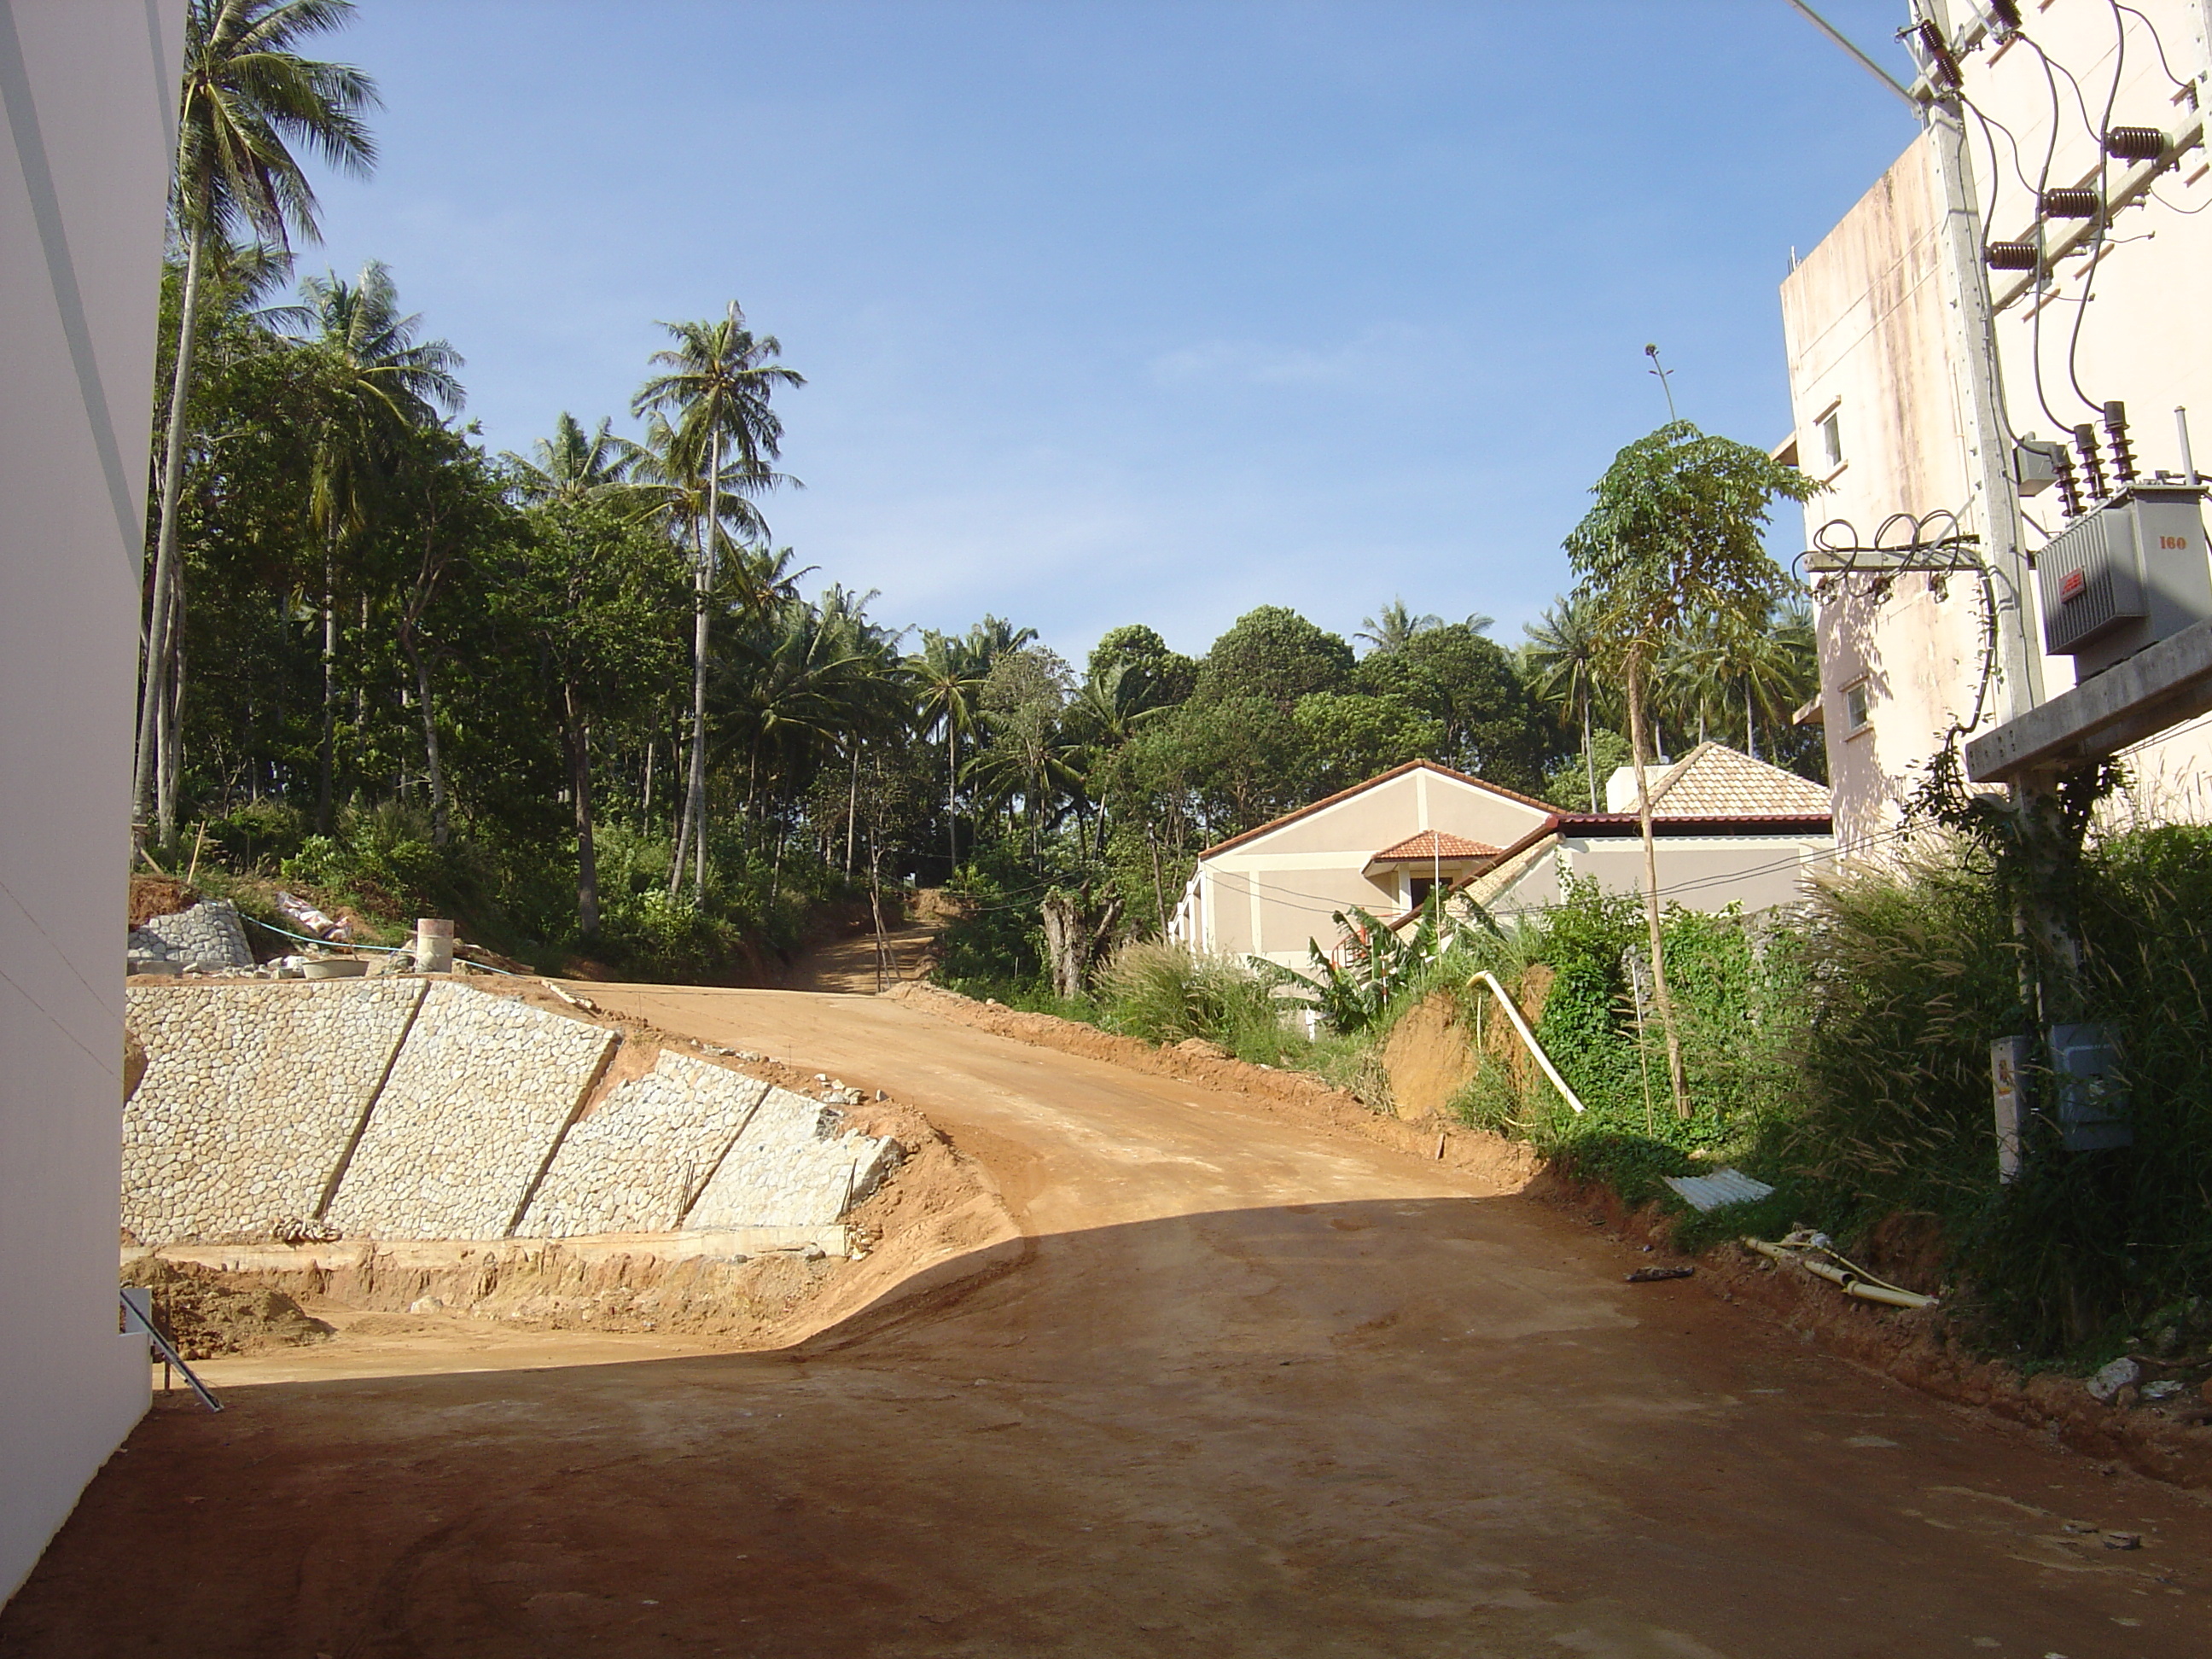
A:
(1851, 46)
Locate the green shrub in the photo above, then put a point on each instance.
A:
(1167, 993)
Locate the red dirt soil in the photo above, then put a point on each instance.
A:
(1237, 1380)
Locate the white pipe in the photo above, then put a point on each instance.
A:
(2181, 430)
(1851, 1282)
(1529, 1040)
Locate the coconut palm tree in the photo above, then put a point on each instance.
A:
(1394, 627)
(573, 464)
(947, 679)
(718, 382)
(1397, 625)
(1561, 653)
(248, 99)
(1780, 668)
(373, 377)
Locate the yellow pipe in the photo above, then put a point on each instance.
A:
(1849, 1280)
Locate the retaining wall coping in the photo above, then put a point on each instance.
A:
(698, 1243)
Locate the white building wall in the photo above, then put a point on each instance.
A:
(1873, 343)
(89, 90)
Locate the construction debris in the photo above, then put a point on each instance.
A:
(1654, 1275)
(309, 920)
(1816, 1255)
(1707, 1193)
(208, 936)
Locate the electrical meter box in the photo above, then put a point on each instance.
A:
(2092, 1100)
(2127, 574)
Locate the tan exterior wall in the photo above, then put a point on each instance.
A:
(90, 90)
(1274, 896)
(1871, 338)
(1698, 872)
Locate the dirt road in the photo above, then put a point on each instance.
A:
(1247, 1390)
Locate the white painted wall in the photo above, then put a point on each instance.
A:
(1872, 342)
(90, 91)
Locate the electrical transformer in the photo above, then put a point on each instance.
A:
(2125, 575)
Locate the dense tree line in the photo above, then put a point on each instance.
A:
(578, 697)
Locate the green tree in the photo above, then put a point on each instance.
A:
(1487, 721)
(598, 596)
(247, 99)
(1275, 654)
(1150, 671)
(718, 381)
(1351, 737)
(1675, 538)
(373, 379)
(573, 464)
(1022, 697)
(1562, 656)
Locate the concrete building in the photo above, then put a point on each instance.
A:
(1727, 829)
(1731, 830)
(1379, 846)
(1883, 403)
(90, 91)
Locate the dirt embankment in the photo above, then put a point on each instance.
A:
(1294, 1097)
(206, 1315)
(2169, 1440)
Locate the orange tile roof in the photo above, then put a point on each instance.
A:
(1431, 845)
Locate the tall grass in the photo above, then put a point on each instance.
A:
(1166, 993)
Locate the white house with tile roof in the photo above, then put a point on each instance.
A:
(1730, 830)
(1379, 846)
(1727, 829)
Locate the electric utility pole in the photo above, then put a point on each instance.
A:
(1981, 384)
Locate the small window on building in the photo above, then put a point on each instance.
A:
(1831, 439)
(1857, 710)
(1418, 892)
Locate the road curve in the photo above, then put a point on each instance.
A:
(1254, 1390)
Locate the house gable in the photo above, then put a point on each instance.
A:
(1387, 810)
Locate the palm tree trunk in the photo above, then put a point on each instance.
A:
(1750, 730)
(431, 762)
(330, 683)
(168, 745)
(682, 824)
(852, 809)
(1590, 753)
(1651, 891)
(951, 795)
(162, 602)
(706, 583)
(578, 734)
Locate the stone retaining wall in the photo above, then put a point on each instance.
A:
(412, 1109)
(791, 1168)
(638, 1161)
(474, 1108)
(252, 1093)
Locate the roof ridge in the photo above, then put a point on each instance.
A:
(1397, 771)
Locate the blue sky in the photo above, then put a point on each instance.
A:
(1133, 312)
